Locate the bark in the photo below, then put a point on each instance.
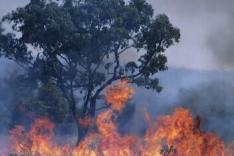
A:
(82, 132)
(76, 120)
(93, 107)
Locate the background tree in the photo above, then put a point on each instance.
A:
(22, 100)
(82, 46)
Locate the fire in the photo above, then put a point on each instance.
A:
(118, 94)
(178, 134)
(38, 141)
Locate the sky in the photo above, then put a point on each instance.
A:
(206, 31)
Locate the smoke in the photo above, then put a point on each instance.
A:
(197, 7)
(7, 96)
(220, 35)
(220, 38)
(8, 70)
(221, 43)
(207, 94)
(213, 103)
(206, 30)
(211, 96)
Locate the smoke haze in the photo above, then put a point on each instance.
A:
(208, 94)
(206, 29)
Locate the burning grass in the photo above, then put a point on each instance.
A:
(177, 134)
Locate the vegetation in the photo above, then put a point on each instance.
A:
(74, 49)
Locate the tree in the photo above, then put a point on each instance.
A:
(82, 46)
(25, 100)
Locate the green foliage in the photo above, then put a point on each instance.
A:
(78, 46)
(32, 100)
(50, 102)
(13, 48)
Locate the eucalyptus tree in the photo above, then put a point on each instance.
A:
(82, 46)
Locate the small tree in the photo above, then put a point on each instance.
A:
(82, 46)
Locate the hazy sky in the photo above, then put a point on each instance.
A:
(207, 32)
(206, 28)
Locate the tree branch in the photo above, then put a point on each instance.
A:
(123, 50)
(113, 78)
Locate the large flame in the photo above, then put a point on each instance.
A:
(118, 94)
(177, 134)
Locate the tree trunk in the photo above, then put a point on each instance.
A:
(93, 107)
(81, 133)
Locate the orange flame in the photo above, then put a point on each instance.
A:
(178, 134)
(118, 94)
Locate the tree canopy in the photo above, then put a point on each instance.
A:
(82, 46)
